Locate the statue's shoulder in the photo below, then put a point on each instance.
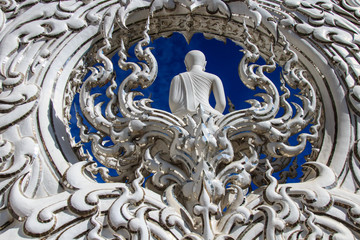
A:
(183, 74)
(178, 79)
(211, 76)
(180, 74)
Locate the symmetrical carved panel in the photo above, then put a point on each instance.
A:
(200, 166)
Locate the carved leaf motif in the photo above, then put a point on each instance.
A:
(212, 6)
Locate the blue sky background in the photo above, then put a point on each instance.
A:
(222, 60)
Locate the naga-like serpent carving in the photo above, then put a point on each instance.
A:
(194, 156)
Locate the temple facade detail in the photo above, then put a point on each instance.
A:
(194, 172)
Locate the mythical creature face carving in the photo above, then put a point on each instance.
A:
(193, 157)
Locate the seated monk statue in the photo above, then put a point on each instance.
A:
(190, 89)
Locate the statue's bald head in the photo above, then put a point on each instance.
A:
(195, 57)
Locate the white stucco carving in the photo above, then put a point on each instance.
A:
(201, 164)
(193, 88)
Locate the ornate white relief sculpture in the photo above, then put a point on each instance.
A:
(193, 88)
(201, 165)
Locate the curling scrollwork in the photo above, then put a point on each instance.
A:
(194, 156)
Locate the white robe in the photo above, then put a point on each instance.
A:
(187, 91)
